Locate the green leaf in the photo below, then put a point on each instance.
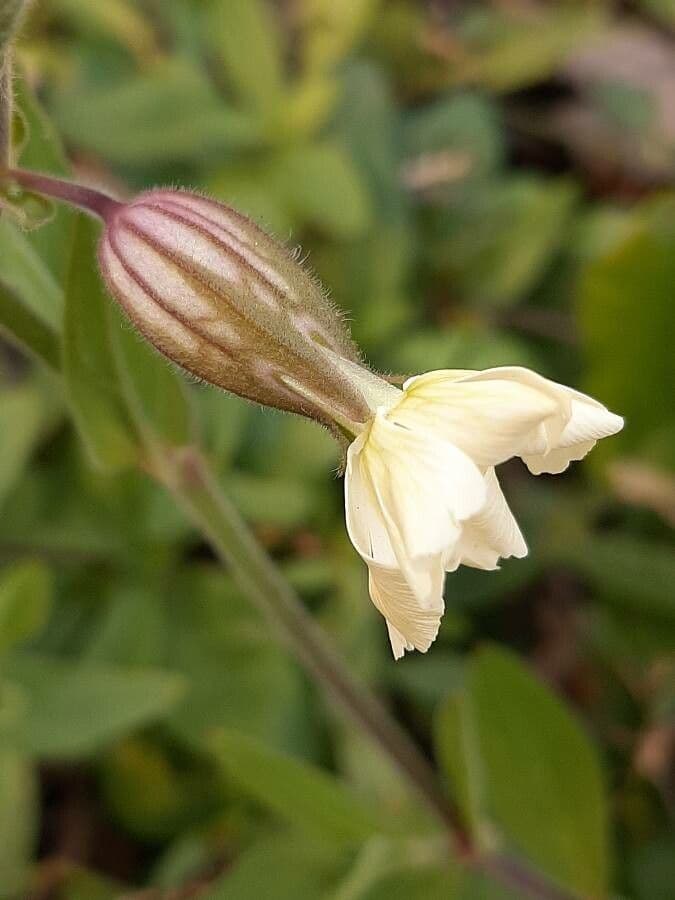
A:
(460, 758)
(21, 422)
(239, 676)
(222, 419)
(543, 785)
(22, 327)
(28, 278)
(508, 52)
(155, 395)
(652, 869)
(295, 790)
(246, 38)
(414, 883)
(461, 127)
(626, 315)
(25, 600)
(626, 571)
(170, 114)
(285, 867)
(495, 243)
(76, 708)
(323, 188)
(88, 364)
(278, 501)
(330, 30)
(18, 822)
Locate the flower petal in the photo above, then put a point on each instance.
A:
(579, 421)
(490, 535)
(411, 625)
(423, 485)
(393, 474)
(489, 419)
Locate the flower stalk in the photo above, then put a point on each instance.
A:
(5, 109)
(219, 297)
(194, 487)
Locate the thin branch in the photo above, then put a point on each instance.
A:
(5, 109)
(195, 488)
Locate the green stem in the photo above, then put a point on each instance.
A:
(11, 15)
(195, 488)
(5, 110)
(197, 491)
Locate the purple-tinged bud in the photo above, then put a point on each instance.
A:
(217, 295)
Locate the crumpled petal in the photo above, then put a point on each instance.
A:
(406, 494)
(489, 419)
(493, 423)
(567, 435)
(421, 492)
(489, 536)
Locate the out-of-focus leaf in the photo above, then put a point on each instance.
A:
(308, 105)
(330, 30)
(132, 631)
(22, 327)
(88, 363)
(302, 794)
(324, 189)
(285, 867)
(246, 38)
(414, 883)
(78, 883)
(21, 420)
(460, 348)
(507, 52)
(170, 114)
(75, 708)
(278, 501)
(18, 822)
(542, 781)
(369, 122)
(239, 676)
(494, 246)
(460, 758)
(250, 186)
(43, 152)
(662, 9)
(626, 317)
(627, 571)
(222, 418)
(120, 19)
(652, 870)
(148, 794)
(461, 128)
(156, 398)
(26, 275)
(25, 600)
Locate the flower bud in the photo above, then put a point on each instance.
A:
(217, 295)
(221, 298)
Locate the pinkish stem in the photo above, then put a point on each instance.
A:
(86, 198)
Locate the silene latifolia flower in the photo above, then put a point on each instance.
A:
(218, 296)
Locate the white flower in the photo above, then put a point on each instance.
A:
(421, 492)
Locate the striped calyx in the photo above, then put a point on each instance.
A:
(215, 294)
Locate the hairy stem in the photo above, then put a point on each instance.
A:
(5, 109)
(89, 199)
(197, 492)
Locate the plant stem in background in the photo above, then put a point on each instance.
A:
(11, 13)
(5, 109)
(196, 490)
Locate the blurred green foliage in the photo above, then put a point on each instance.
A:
(476, 184)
